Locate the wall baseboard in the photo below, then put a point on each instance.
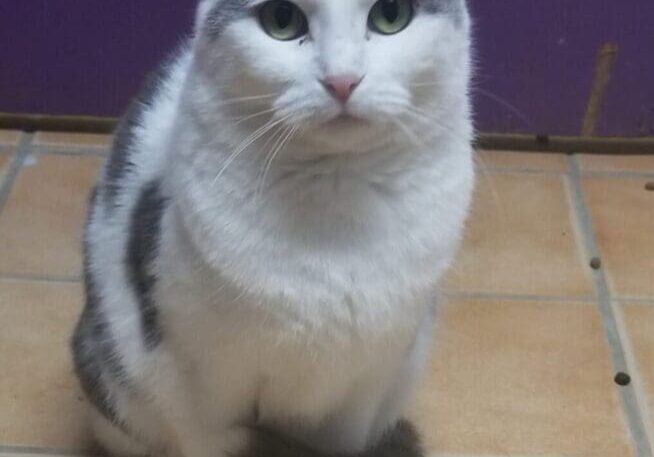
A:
(496, 141)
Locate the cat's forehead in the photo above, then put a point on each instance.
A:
(429, 6)
(220, 13)
(310, 6)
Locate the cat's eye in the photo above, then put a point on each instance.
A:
(390, 16)
(283, 20)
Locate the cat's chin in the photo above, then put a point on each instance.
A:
(349, 135)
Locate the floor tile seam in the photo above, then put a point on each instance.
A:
(50, 279)
(492, 296)
(69, 151)
(630, 400)
(520, 171)
(14, 168)
(618, 174)
(42, 450)
(625, 300)
(636, 375)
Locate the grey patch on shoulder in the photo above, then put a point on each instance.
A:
(94, 351)
(119, 162)
(142, 251)
(454, 8)
(400, 441)
(223, 14)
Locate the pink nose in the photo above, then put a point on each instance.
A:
(341, 87)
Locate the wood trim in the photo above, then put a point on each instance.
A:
(501, 141)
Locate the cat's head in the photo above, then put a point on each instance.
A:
(347, 74)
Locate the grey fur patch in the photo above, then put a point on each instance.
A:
(94, 351)
(119, 162)
(142, 251)
(224, 13)
(453, 8)
(400, 441)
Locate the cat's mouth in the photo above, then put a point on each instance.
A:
(346, 120)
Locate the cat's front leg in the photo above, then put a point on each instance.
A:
(202, 442)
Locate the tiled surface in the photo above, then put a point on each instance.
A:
(521, 160)
(41, 224)
(9, 137)
(72, 139)
(521, 365)
(4, 161)
(639, 321)
(40, 404)
(636, 164)
(623, 215)
(519, 378)
(521, 240)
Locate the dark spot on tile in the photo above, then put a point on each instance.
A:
(622, 379)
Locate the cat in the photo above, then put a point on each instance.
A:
(265, 242)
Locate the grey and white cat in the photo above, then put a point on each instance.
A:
(265, 242)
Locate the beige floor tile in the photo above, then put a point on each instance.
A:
(40, 401)
(4, 162)
(9, 137)
(639, 320)
(520, 240)
(521, 379)
(521, 160)
(72, 139)
(41, 225)
(644, 163)
(622, 213)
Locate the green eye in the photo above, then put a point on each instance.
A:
(283, 20)
(390, 16)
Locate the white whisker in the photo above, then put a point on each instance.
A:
(252, 116)
(247, 142)
(268, 165)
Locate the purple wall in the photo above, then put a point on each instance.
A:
(536, 59)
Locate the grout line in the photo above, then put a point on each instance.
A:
(629, 396)
(15, 166)
(70, 151)
(516, 297)
(42, 451)
(520, 170)
(449, 454)
(590, 174)
(636, 377)
(36, 278)
(635, 300)
(619, 174)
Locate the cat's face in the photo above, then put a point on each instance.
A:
(348, 74)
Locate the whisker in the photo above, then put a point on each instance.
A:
(288, 135)
(236, 100)
(428, 120)
(252, 116)
(410, 134)
(505, 104)
(247, 142)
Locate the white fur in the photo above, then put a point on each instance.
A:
(304, 293)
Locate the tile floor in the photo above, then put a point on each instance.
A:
(530, 337)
